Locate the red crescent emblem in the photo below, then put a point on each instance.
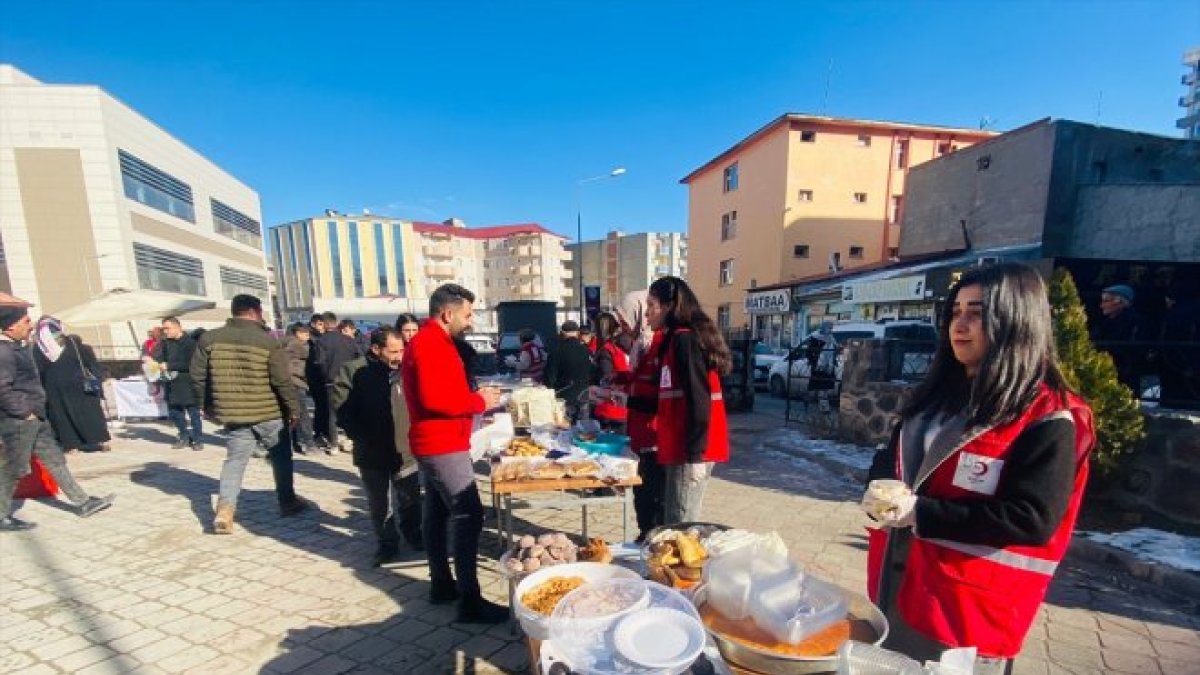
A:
(979, 469)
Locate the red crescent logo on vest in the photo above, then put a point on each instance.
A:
(980, 469)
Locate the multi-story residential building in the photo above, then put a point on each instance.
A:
(621, 262)
(1190, 102)
(95, 197)
(375, 266)
(801, 195)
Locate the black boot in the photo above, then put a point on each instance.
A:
(477, 609)
(442, 592)
(385, 554)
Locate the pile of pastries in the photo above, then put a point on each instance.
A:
(677, 559)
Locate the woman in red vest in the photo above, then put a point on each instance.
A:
(641, 406)
(692, 432)
(612, 370)
(992, 450)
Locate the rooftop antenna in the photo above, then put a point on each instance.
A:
(828, 80)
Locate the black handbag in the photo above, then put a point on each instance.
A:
(92, 386)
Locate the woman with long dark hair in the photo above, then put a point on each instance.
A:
(691, 427)
(612, 369)
(978, 490)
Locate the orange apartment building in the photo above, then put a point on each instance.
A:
(797, 197)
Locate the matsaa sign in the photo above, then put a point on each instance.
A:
(769, 302)
(902, 289)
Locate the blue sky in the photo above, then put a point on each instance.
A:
(491, 111)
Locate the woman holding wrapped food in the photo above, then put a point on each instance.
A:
(978, 490)
(691, 430)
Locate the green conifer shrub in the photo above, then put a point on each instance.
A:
(1118, 418)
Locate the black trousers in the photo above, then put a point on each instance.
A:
(324, 422)
(648, 497)
(394, 504)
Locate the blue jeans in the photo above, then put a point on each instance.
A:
(180, 415)
(683, 496)
(302, 435)
(243, 438)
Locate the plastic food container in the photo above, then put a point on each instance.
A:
(536, 625)
(605, 444)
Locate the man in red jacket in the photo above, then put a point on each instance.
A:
(441, 406)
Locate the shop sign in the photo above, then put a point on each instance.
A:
(768, 302)
(901, 289)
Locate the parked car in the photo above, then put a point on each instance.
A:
(921, 334)
(764, 358)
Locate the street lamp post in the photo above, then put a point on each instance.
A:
(619, 171)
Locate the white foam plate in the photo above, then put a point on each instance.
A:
(659, 638)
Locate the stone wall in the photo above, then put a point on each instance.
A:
(870, 402)
(1160, 478)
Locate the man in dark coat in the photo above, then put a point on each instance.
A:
(569, 369)
(1119, 324)
(174, 355)
(329, 353)
(364, 411)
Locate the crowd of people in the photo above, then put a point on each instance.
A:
(975, 496)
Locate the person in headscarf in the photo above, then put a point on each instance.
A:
(639, 341)
(636, 334)
(70, 376)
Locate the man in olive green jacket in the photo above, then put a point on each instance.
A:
(241, 376)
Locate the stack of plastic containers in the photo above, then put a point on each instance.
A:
(768, 588)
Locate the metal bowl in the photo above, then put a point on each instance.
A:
(770, 663)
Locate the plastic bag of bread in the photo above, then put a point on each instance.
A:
(542, 470)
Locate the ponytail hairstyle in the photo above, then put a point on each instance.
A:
(683, 311)
(1020, 356)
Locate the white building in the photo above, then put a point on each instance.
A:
(621, 263)
(94, 197)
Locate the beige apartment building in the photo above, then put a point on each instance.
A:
(621, 262)
(95, 197)
(801, 196)
(370, 266)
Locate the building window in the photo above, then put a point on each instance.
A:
(808, 136)
(234, 224)
(943, 148)
(155, 188)
(161, 270)
(860, 198)
(894, 214)
(731, 177)
(728, 225)
(856, 252)
(902, 154)
(800, 251)
(864, 141)
(726, 273)
(236, 282)
(893, 253)
(398, 254)
(305, 230)
(805, 195)
(723, 316)
(335, 257)
(380, 259)
(356, 261)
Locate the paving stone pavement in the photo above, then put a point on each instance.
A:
(143, 588)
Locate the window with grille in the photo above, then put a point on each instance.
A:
(234, 224)
(162, 270)
(239, 282)
(156, 188)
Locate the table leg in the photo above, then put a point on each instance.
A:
(628, 494)
(496, 509)
(585, 519)
(508, 521)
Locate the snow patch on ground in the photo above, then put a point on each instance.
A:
(1174, 550)
(856, 456)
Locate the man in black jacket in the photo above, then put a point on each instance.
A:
(329, 353)
(24, 431)
(569, 369)
(174, 353)
(366, 417)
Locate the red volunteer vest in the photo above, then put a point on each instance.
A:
(970, 595)
(610, 410)
(643, 399)
(672, 415)
(537, 361)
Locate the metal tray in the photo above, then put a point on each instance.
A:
(774, 664)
